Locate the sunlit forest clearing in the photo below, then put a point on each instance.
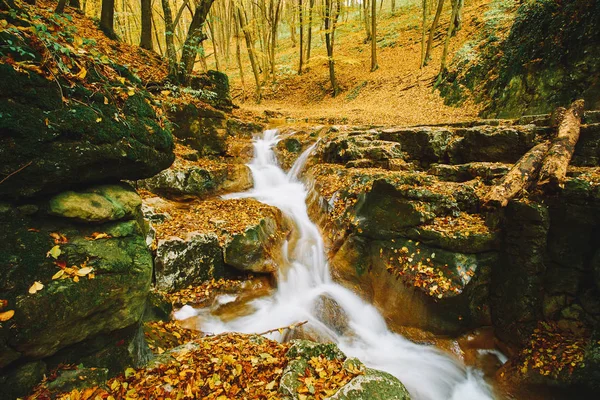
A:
(398, 92)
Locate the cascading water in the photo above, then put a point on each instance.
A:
(427, 373)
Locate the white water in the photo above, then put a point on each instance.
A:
(427, 373)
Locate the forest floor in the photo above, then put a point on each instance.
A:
(398, 93)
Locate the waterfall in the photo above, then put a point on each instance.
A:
(427, 373)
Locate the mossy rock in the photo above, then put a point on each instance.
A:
(372, 385)
(97, 204)
(65, 312)
(60, 146)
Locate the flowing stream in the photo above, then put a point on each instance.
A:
(427, 373)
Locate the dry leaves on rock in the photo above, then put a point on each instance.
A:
(162, 336)
(325, 377)
(553, 351)
(229, 366)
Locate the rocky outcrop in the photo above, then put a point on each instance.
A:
(530, 60)
(73, 268)
(367, 383)
(190, 181)
(216, 239)
(47, 147)
(208, 130)
(416, 242)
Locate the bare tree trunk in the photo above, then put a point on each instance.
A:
(366, 20)
(146, 33)
(331, 14)
(107, 18)
(251, 55)
(156, 36)
(214, 41)
(393, 5)
(194, 37)
(169, 32)
(300, 20)
(443, 67)
(554, 169)
(457, 21)
(309, 38)
(60, 7)
(423, 33)
(520, 176)
(434, 25)
(275, 16)
(238, 51)
(374, 65)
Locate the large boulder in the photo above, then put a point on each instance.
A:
(366, 383)
(217, 239)
(180, 263)
(92, 275)
(47, 146)
(181, 181)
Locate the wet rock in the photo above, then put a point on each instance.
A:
(331, 314)
(517, 288)
(254, 249)
(425, 145)
(56, 147)
(307, 349)
(97, 204)
(491, 144)
(180, 263)
(372, 385)
(192, 181)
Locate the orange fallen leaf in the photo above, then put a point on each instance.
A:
(98, 235)
(5, 316)
(36, 287)
(59, 238)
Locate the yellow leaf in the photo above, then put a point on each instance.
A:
(270, 385)
(37, 286)
(130, 91)
(98, 119)
(54, 252)
(129, 372)
(84, 271)
(82, 73)
(5, 316)
(121, 79)
(58, 275)
(75, 278)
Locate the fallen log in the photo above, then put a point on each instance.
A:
(554, 168)
(520, 176)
